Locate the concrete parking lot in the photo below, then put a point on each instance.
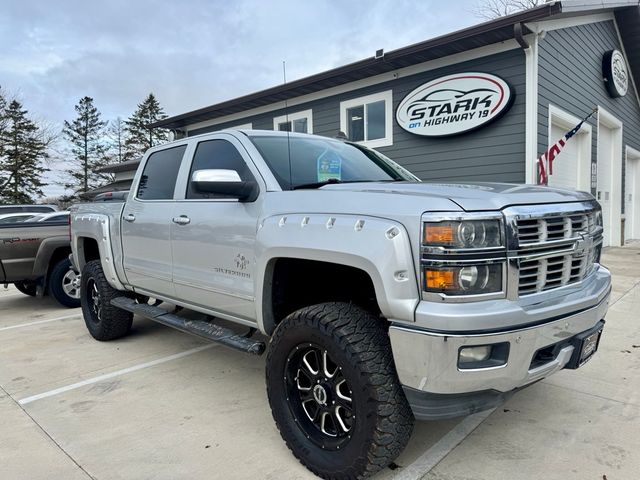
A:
(164, 405)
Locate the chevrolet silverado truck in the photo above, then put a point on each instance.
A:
(380, 299)
(34, 256)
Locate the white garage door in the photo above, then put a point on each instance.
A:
(632, 195)
(565, 166)
(610, 176)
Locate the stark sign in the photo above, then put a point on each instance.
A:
(454, 104)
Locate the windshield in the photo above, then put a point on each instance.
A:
(317, 160)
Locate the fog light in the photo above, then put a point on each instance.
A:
(474, 354)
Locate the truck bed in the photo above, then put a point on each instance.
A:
(19, 246)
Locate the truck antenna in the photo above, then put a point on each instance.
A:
(286, 119)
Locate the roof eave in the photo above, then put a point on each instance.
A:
(285, 91)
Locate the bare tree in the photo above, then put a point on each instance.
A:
(63, 202)
(116, 132)
(490, 9)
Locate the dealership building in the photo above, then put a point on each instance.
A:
(482, 104)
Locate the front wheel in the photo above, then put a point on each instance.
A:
(334, 392)
(103, 320)
(64, 284)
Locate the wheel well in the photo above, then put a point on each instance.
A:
(293, 283)
(57, 255)
(90, 249)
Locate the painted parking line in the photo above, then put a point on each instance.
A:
(10, 295)
(429, 459)
(117, 373)
(39, 322)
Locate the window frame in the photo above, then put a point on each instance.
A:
(192, 159)
(143, 165)
(185, 169)
(387, 97)
(291, 117)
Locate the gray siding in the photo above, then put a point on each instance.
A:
(492, 153)
(570, 77)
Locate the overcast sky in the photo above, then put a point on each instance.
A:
(192, 54)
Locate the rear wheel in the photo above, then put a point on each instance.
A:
(334, 392)
(64, 284)
(27, 288)
(103, 320)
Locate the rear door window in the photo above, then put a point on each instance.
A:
(158, 179)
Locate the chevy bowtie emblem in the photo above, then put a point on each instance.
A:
(583, 245)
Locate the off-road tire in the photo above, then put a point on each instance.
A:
(27, 288)
(55, 285)
(112, 322)
(359, 343)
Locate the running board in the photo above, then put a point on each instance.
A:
(200, 328)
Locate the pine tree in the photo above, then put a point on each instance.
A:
(4, 176)
(139, 137)
(3, 118)
(3, 127)
(86, 136)
(22, 156)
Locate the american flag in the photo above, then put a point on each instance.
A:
(547, 158)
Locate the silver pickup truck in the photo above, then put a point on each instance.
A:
(380, 299)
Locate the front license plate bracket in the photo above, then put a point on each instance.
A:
(585, 345)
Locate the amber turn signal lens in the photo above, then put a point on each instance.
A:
(439, 279)
(438, 234)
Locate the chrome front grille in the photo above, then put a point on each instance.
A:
(555, 247)
(549, 228)
(538, 275)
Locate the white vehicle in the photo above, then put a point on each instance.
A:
(53, 217)
(16, 217)
(27, 208)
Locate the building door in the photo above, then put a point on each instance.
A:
(572, 167)
(609, 179)
(632, 195)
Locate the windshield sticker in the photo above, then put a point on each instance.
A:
(329, 166)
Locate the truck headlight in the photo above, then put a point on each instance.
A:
(598, 218)
(463, 279)
(463, 256)
(463, 234)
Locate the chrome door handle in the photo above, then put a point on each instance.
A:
(130, 217)
(182, 220)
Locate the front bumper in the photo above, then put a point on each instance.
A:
(427, 360)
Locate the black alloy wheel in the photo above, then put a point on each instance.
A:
(103, 320)
(319, 396)
(93, 300)
(334, 391)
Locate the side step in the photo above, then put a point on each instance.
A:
(207, 330)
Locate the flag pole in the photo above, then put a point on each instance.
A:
(545, 161)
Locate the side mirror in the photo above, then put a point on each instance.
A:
(224, 182)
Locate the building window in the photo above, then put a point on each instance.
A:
(368, 120)
(301, 122)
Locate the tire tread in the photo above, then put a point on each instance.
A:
(116, 323)
(365, 340)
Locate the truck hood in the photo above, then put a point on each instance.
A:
(478, 196)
